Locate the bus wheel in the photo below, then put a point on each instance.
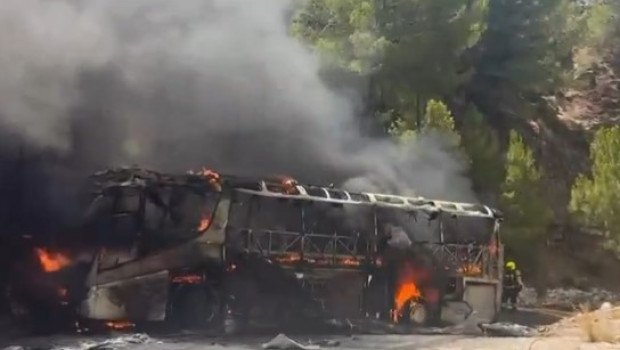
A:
(419, 314)
(196, 307)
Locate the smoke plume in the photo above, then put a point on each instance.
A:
(175, 85)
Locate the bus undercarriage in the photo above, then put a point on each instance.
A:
(207, 251)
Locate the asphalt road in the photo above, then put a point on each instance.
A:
(379, 342)
(382, 342)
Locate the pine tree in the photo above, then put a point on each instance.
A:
(526, 213)
(411, 50)
(344, 30)
(438, 118)
(526, 51)
(595, 199)
(438, 122)
(602, 23)
(482, 146)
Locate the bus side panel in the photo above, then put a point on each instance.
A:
(481, 296)
(142, 298)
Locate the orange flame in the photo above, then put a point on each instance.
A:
(289, 184)
(406, 289)
(213, 178)
(350, 262)
(471, 269)
(51, 261)
(289, 258)
(204, 223)
(119, 325)
(187, 279)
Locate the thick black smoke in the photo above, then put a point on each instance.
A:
(174, 85)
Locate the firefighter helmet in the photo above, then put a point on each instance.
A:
(511, 265)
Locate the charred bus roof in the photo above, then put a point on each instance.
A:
(339, 196)
(287, 188)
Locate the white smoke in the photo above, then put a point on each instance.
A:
(179, 84)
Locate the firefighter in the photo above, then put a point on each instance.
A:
(512, 284)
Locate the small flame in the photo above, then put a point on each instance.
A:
(406, 289)
(208, 173)
(187, 279)
(204, 224)
(289, 184)
(119, 325)
(471, 269)
(289, 258)
(350, 262)
(51, 261)
(213, 178)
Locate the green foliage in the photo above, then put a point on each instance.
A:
(437, 118)
(412, 48)
(482, 146)
(528, 46)
(426, 41)
(401, 131)
(595, 199)
(502, 55)
(527, 216)
(343, 29)
(600, 23)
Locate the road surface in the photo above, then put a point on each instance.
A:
(378, 342)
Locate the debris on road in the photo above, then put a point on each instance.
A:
(504, 329)
(122, 341)
(330, 343)
(282, 342)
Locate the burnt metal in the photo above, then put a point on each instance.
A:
(246, 266)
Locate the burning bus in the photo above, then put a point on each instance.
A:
(201, 248)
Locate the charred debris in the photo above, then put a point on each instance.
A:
(216, 252)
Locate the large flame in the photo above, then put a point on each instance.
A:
(213, 178)
(406, 288)
(51, 261)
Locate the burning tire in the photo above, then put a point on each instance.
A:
(419, 314)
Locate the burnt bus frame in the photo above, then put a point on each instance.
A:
(178, 258)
